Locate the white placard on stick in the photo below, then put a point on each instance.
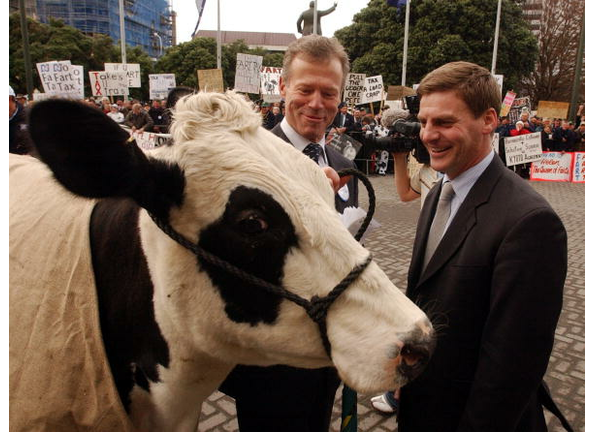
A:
(523, 149)
(270, 83)
(132, 72)
(374, 89)
(61, 78)
(247, 73)
(160, 84)
(105, 84)
(353, 89)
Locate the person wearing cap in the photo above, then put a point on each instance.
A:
(520, 129)
(17, 125)
(115, 114)
(267, 116)
(22, 99)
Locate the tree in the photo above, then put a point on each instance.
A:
(440, 32)
(558, 40)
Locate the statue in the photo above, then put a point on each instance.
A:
(307, 17)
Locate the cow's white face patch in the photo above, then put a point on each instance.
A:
(266, 208)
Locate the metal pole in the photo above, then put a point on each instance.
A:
(496, 42)
(577, 74)
(218, 34)
(26, 54)
(405, 48)
(122, 37)
(315, 17)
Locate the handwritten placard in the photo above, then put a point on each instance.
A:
(160, 84)
(353, 89)
(553, 166)
(104, 83)
(247, 73)
(270, 83)
(579, 167)
(211, 80)
(132, 71)
(374, 89)
(61, 78)
(523, 149)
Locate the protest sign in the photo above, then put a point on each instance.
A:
(353, 89)
(105, 83)
(548, 109)
(553, 166)
(247, 73)
(519, 106)
(579, 167)
(523, 149)
(345, 145)
(398, 92)
(508, 100)
(61, 78)
(148, 140)
(495, 142)
(374, 89)
(270, 83)
(160, 84)
(132, 71)
(211, 80)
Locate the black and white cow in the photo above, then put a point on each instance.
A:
(173, 324)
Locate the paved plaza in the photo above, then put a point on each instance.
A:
(391, 246)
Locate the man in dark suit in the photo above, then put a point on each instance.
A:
(282, 398)
(494, 283)
(343, 122)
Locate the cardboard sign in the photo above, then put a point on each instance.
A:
(270, 83)
(523, 149)
(108, 83)
(374, 89)
(519, 106)
(211, 80)
(508, 100)
(553, 166)
(548, 109)
(160, 84)
(132, 71)
(247, 73)
(61, 78)
(579, 168)
(353, 89)
(398, 92)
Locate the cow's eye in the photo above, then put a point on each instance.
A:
(251, 222)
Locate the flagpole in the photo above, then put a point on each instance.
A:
(218, 34)
(496, 42)
(405, 48)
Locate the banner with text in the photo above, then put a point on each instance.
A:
(374, 89)
(61, 78)
(270, 83)
(106, 84)
(553, 166)
(523, 149)
(353, 89)
(211, 80)
(160, 84)
(247, 73)
(132, 71)
(579, 168)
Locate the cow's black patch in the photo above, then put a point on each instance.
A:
(133, 341)
(254, 234)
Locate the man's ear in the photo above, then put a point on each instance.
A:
(282, 87)
(491, 119)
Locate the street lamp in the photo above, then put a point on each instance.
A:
(155, 34)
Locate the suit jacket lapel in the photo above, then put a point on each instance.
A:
(460, 226)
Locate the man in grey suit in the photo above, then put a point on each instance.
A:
(489, 264)
(282, 398)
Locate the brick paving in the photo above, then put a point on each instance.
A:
(392, 248)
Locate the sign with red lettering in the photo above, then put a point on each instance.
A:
(579, 167)
(553, 166)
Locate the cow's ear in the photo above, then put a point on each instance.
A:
(91, 156)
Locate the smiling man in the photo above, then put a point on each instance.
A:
(282, 398)
(489, 262)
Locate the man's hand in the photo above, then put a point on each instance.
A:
(336, 182)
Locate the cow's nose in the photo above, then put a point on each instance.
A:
(416, 351)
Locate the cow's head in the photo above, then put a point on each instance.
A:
(239, 192)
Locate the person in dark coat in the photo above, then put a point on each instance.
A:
(18, 136)
(283, 398)
(492, 275)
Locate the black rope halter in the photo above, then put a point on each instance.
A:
(317, 307)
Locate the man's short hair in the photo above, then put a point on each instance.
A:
(472, 83)
(318, 48)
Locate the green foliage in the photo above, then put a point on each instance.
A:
(440, 32)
